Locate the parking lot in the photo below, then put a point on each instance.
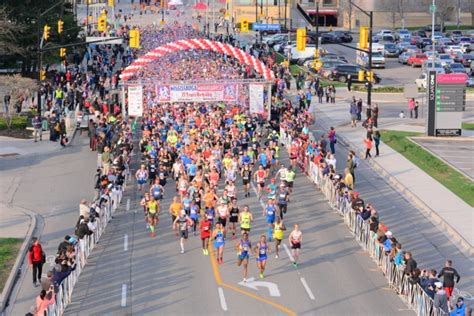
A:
(457, 153)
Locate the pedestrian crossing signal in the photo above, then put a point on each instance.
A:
(300, 39)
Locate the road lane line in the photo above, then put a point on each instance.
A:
(292, 259)
(222, 298)
(124, 295)
(128, 204)
(308, 290)
(218, 278)
(125, 242)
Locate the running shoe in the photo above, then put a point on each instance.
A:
(276, 257)
(295, 265)
(245, 280)
(204, 251)
(182, 251)
(261, 275)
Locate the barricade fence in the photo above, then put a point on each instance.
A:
(84, 247)
(412, 294)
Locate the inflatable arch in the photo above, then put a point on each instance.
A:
(203, 44)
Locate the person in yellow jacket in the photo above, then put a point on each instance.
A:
(278, 234)
(348, 179)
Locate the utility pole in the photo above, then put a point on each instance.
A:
(369, 87)
(286, 9)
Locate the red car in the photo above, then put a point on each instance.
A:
(416, 60)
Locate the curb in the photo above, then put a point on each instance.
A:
(16, 272)
(463, 245)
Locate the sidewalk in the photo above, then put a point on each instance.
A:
(456, 213)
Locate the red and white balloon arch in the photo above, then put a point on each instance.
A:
(203, 44)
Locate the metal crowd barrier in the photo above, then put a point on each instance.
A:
(84, 249)
(412, 294)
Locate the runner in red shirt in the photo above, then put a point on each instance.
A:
(205, 227)
(260, 176)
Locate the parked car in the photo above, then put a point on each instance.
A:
(275, 38)
(464, 59)
(403, 34)
(415, 40)
(382, 33)
(425, 42)
(438, 48)
(445, 59)
(330, 38)
(416, 60)
(420, 32)
(453, 49)
(403, 57)
(340, 73)
(325, 65)
(456, 68)
(437, 28)
(428, 66)
(391, 50)
(345, 36)
(465, 47)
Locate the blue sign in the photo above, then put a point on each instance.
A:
(266, 27)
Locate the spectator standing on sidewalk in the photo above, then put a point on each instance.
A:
(333, 94)
(359, 110)
(410, 263)
(376, 136)
(320, 93)
(417, 106)
(38, 128)
(349, 82)
(375, 114)
(353, 113)
(43, 300)
(368, 147)
(36, 259)
(348, 179)
(449, 274)
(332, 139)
(411, 106)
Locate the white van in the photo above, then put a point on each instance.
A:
(378, 56)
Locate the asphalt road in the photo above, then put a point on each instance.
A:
(50, 185)
(148, 276)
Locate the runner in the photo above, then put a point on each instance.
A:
(245, 220)
(295, 239)
(175, 209)
(144, 203)
(219, 241)
(157, 190)
(142, 177)
(259, 177)
(233, 217)
(246, 175)
(244, 248)
(205, 227)
(290, 179)
(182, 222)
(278, 234)
(194, 215)
(269, 211)
(283, 197)
(153, 207)
(261, 249)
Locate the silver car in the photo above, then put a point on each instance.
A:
(403, 57)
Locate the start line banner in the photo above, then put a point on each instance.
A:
(197, 93)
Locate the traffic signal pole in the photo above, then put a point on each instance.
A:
(369, 86)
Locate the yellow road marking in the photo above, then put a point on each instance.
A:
(218, 278)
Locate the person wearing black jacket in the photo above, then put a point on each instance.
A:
(449, 274)
(64, 244)
(410, 263)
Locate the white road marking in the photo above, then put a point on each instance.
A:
(124, 295)
(128, 204)
(292, 259)
(222, 298)
(272, 287)
(125, 242)
(308, 290)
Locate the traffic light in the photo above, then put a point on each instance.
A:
(111, 3)
(370, 76)
(42, 75)
(102, 23)
(46, 31)
(361, 76)
(62, 52)
(60, 26)
(300, 40)
(244, 25)
(134, 39)
(364, 37)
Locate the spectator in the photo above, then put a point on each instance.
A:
(449, 274)
(417, 105)
(348, 179)
(428, 282)
(376, 137)
(84, 208)
(64, 244)
(368, 147)
(46, 283)
(375, 114)
(411, 106)
(349, 82)
(415, 277)
(61, 272)
(357, 201)
(332, 140)
(36, 259)
(440, 297)
(351, 166)
(359, 110)
(410, 263)
(399, 257)
(459, 308)
(43, 300)
(353, 113)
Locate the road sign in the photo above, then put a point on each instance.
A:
(432, 8)
(107, 40)
(272, 287)
(266, 27)
(450, 92)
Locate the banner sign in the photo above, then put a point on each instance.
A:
(135, 100)
(256, 105)
(197, 93)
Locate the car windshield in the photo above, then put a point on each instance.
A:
(377, 54)
(457, 66)
(390, 46)
(444, 57)
(430, 65)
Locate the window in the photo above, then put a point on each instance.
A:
(329, 3)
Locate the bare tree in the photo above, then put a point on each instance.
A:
(444, 9)
(401, 11)
(19, 88)
(346, 12)
(8, 32)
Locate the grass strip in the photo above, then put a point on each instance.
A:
(9, 248)
(433, 166)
